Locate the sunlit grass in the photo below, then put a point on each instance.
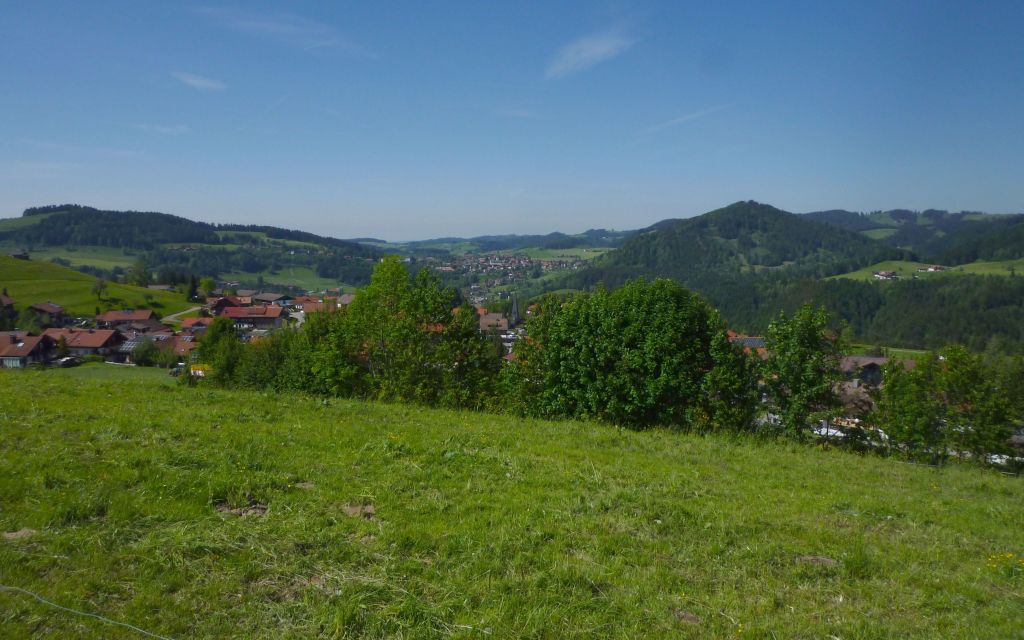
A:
(481, 525)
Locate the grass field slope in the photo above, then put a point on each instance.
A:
(907, 269)
(205, 513)
(31, 281)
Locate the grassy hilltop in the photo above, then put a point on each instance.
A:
(31, 281)
(204, 513)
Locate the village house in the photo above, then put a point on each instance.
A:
(885, 275)
(867, 370)
(19, 349)
(196, 325)
(278, 299)
(119, 317)
(749, 344)
(216, 305)
(257, 317)
(493, 322)
(49, 314)
(180, 345)
(87, 342)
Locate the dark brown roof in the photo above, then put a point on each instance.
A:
(6, 301)
(48, 307)
(125, 315)
(270, 297)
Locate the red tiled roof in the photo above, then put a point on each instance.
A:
(191, 323)
(82, 338)
(181, 344)
(18, 347)
(125, 315)
(261, 311)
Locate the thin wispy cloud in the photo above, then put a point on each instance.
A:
(162, 129)
(686, 117)
(198, 82)
(585, 52)
(284, 28)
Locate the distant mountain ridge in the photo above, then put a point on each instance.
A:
(73, 224)
(742, 238)
(936, 235)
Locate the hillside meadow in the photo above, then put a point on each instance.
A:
(32, 281)
(906, 269)
(208, 513)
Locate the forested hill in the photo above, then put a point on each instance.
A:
(77, 225)
(742, 238)
(935, 235)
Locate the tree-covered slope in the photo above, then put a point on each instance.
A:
(741, 239)
(172, 244)
(935, 235)
(77, 225)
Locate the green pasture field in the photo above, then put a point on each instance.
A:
(31, 281)
(202, 513)
(302, 277)
(907, 269)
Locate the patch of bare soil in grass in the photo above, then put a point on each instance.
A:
(254, 508)
(19, 534)
(367, 511)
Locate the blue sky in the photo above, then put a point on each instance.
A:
(414, 120)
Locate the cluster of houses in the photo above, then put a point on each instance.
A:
(112, 335)
(892, 275)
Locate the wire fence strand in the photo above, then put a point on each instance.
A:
(4, 587)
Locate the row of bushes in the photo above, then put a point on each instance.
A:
(645, 354)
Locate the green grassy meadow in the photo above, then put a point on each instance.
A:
(31, 281)
(302, 277)
(862, 349)
(907, 269)
(201, 513)
(102, 257)
(578, 253)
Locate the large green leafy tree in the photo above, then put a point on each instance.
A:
(220, 348)
(402, 332)
(639, 356)
(802, 370)
(950, 404)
